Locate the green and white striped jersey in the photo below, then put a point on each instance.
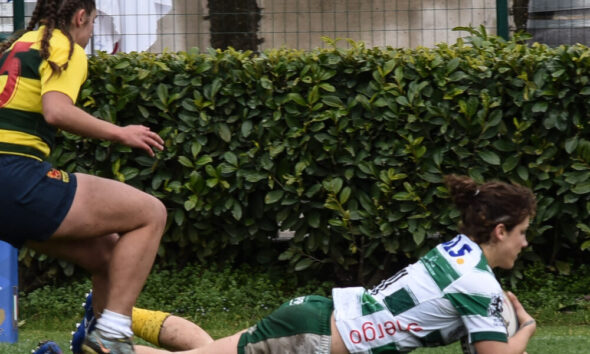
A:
(448, 293)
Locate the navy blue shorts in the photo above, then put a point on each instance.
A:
(34, 199)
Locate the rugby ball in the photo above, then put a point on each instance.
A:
(509, 316)
(510, 321)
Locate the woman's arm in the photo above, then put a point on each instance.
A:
(60, 111)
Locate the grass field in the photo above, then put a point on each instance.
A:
(547, 340)
(226, 300)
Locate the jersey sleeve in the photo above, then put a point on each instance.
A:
(477, 297)
(69, 80)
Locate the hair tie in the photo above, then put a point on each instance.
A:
(476, 192)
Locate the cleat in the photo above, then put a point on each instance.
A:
(83, 328)
(96, 343)
(47, 347)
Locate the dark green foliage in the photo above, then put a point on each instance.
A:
(53, 301)
(346, 147)
(200, 292)
(195, 292)
(542, 287)
(553, 298)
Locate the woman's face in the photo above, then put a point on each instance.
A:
(511, 245)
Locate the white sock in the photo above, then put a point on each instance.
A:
(114, 325)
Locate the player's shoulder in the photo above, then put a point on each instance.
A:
(461, 252)
(61, 45)
(467, 260)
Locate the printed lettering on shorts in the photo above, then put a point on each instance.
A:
(252, 329)
(374, 330)
(59, 175)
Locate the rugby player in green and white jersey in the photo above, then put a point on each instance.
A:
(449, 293)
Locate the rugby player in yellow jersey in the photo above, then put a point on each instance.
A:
(107, 227)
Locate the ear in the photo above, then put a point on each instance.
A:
(79, 18)
(499, 232)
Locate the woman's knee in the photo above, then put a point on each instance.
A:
(161, 214)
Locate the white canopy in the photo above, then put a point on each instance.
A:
(126, 25)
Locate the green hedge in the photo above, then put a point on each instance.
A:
(346, 147)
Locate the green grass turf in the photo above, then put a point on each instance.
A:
(547, 340)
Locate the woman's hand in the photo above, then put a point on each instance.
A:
(140, 136)
(524, 319)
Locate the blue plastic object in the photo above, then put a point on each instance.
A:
(8, 293)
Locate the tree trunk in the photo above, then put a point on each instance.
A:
(520, 11)
(234, 23)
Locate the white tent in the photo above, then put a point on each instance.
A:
(127, 25)
(124, 25)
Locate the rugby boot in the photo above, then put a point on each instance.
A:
(84, 327)
(96, 343)
(47, 347)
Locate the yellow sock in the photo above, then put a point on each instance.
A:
(147, 324)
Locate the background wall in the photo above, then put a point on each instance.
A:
(397, 23)
(302, 23)
(184, 27)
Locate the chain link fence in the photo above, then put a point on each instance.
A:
(158, 25)
(555, 22)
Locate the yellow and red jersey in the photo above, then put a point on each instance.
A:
(24, 78)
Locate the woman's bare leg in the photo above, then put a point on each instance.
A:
(92, 255)
(168, 331)
(227, 345)
(104, 207)
(178, 333)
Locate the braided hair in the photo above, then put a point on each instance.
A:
(54, 14)
(484, 206)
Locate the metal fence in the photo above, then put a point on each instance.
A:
(301, 24)
(158, 25)
(559, 22)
